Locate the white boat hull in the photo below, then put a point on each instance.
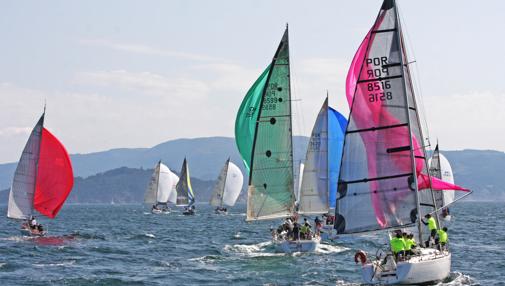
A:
(431, 266)
(220, 212)
(291, 246)
(167, 211)
(28, 232)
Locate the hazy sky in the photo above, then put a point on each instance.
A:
(137, 73)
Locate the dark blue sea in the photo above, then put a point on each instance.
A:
(126, 245)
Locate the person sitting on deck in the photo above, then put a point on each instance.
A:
(442, 239)
(330, 219)
(303, 231)
(432, 226)
(397, 246)
(410, 244)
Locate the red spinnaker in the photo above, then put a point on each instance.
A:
(54, 176)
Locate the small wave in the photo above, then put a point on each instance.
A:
(64, 264)
(251, 250)
(237, 236)
(2, 264)
(84, 235)
(205, 259)
(327, 248)
(458, 278)
(16, 238)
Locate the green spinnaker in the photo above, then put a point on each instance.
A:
(245, 123)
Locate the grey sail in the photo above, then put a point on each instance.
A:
(383, 150)
(218, 194)
(23, 185)
(151, 194)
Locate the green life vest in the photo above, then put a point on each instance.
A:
(304, 229)
(409, 243)
(397, 244)
(442, 236)
(432, 224)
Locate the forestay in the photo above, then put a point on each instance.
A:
(270, 192)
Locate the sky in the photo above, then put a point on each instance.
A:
(118, 74)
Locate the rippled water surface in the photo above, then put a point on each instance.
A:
(126, 245)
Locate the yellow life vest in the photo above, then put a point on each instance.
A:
(442, 236)
(432, 224)
(409, 243)
(397, 244)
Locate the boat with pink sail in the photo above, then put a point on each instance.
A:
(384, 183)
(42, 181)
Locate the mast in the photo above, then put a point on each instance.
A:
(422, 146)
(412, 156)
(293, 201)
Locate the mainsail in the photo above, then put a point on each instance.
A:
(314, 198)
(160, 186)
(320, 174)
(228, 186)
(384, 159)
(185, 196)
(263, 136)
(23, 185)
(43, 178)
(441, 168)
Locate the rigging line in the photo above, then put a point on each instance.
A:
(416, 83)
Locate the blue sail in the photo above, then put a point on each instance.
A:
(337, 124)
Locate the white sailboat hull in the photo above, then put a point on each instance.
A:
(431, 266)
(161, 211)
(291, 246)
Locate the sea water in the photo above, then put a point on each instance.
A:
(127, 245)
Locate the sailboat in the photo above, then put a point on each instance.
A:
(228, 187)
(42, 181)
(263, 135)
(384, 183)
(185, 195)
(320, 173)
(441, 168)
(159, 189)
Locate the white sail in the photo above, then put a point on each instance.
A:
(233, 186)
(299, 182)
(314, 189)
(23, 185)
(164, 184)
(447, 176)
(172, 198)
(151, 194)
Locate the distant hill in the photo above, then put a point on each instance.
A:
(122, 185)
(206, 157)
(479, 170)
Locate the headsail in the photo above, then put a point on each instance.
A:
(172, 198)
(55, 176)
(441, 168)
(337, 124)
(270, 192)
(164, 184)
(23, 185)
(314, 195)
(185, 195)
